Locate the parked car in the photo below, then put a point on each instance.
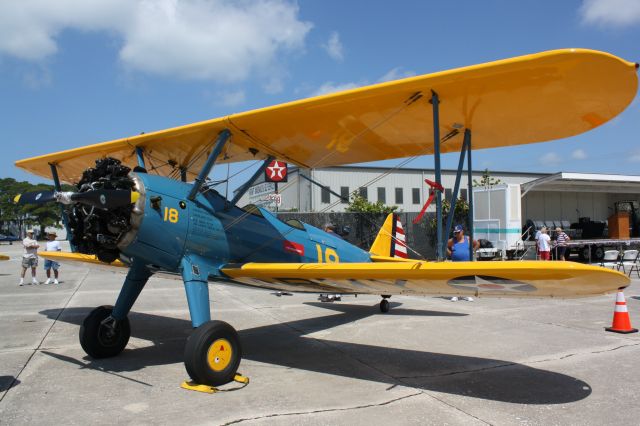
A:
(8, 238)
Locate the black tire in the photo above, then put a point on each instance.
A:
(597, 254)
(584, 253)
(201, 365)
(98, 340)
(384, 306)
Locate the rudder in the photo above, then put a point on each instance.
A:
(391, 240)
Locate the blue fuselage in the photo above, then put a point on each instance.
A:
(171, 227)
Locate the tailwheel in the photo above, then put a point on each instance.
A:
(101, 336)
(213, 353)
(384, 304)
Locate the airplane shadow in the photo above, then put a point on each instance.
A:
(285, 344)
(6, 383)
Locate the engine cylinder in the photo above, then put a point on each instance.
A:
(103, 231)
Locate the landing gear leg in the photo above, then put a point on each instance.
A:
(384, 304)
(105, 331)
(213, 352)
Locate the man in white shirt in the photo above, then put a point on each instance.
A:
(29, 257)
(52, 245)
(544, 244)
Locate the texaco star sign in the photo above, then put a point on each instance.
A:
(276, 171)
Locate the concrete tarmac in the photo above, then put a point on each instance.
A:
(427, 361)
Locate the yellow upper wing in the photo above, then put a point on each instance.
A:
(496, 279)
(527, 99)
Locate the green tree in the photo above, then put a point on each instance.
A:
(359, 204)
(460, 216)
(487, 180)
(24, 216)
(369, 217)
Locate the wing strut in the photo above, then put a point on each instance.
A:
(58, 188)
(248, 183)
(140, 155)
(435, 102)
(222, 139)
(466, 144)
(470, 194)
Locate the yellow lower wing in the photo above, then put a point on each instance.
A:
(495, 279)
(64, 257)
(498, 279)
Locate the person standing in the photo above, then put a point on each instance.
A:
(458, 249)
(561, 243)
(458, 246)
(29, 257)
(52, 245)
(330, 228)
(544, 244)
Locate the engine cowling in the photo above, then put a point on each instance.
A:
(105, 232)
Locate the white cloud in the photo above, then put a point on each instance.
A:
(634, 156)
(274, 85)
(232, 98)
(331, 87)
(616, 13)
(37, 78)
(396, 74)
(579, 154)
(334, 47)
(550, 158)
(195, 39)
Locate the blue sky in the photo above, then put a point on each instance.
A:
(78, 72)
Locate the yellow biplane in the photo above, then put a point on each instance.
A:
(143, 203)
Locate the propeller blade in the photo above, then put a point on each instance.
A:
(106, 198)
(38, 197)
(101, 198)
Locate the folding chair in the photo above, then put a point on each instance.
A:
(629, 259)
(610, 259)
(566, 227)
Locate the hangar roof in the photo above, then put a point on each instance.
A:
(584, 182)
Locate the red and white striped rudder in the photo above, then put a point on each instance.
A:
(399, 246)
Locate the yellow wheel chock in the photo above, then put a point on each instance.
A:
(189, 385)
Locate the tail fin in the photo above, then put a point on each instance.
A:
(391, 240)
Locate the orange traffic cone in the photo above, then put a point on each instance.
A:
(621, 321)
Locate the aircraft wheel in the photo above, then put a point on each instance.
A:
(104, 339)
(584, 253)
(213, 353)
(384, 305)
(597, 254)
